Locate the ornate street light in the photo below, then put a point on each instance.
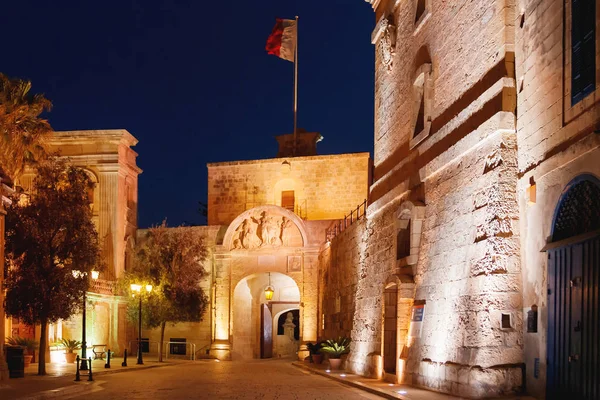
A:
(269, 291)
(138, 289)
(94, 276)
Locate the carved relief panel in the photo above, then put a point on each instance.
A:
(266, 229)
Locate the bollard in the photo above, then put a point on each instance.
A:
(77, 376)
(124, 363)
(107, 365)
(90, 378)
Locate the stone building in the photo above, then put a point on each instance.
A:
(267, 222)
(480, 247)
(111, 163)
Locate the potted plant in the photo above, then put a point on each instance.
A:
(70, 347)
(29, 345)
(315, 352)
(335, 348)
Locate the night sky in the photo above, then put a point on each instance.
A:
(192, 81)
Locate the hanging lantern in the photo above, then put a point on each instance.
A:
(269, 291)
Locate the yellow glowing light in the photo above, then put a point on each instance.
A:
(95, 275)
(148, 288)
(269, 291)
(136, 288)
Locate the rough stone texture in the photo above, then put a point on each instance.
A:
(325, 187)
(556, 144)
(468, 270)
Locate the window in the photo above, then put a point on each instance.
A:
(583, 49)
(403, 242)
(420, 10)
(422, 97)
(288, 200)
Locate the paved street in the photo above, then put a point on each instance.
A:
(272, 379)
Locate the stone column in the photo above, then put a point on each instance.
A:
(3, 366)
(221, 301)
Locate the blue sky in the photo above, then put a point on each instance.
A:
(192, 81)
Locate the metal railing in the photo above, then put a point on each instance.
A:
(341, 225)
(166, 350)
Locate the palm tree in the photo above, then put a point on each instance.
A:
(22, 131)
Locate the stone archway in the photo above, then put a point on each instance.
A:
(261, 240)
(253, 314)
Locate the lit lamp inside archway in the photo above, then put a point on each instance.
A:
(269, 291)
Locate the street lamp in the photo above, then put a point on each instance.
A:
(79, 274)
(138, 289)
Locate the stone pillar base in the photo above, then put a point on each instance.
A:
(221, 350)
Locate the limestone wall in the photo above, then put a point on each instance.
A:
(450, 180)
(325, 187)
(556, 143)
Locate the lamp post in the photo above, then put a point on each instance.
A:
(79, 274)
(135, 288)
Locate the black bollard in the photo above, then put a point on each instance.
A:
(107, 365)
(90, 378)
(77, 376)
(124, 363)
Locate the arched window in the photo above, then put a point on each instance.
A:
(578, 211)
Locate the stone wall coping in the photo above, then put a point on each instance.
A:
(93, 135)
(291, 159)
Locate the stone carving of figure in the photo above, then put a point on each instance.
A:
(250, 239)
(245, 236)
(285, 223)
(238, 237)
(269, 230)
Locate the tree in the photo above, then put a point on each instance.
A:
(49, 235)
(171, 260)
(22, 131)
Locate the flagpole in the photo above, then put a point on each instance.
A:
(296, 89)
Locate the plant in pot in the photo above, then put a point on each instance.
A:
(315, 352)
(29, 345)
(70, 347)
(335, 348)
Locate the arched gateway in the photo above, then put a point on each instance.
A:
(264, 246)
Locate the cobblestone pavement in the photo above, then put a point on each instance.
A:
(268, 379)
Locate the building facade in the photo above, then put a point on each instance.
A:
(475, 272)
(267, 223)
(108, 158)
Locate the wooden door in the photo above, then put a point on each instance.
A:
(573, 321)
(266, 332)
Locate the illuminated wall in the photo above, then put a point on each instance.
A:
(325, 187)
(444, 185)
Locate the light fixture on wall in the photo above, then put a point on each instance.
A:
(269, 291)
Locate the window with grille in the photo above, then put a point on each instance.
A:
(288, 200)
(583, 49)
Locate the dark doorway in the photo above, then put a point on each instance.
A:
(573, 308)
(390, 329)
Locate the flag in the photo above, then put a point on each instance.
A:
(282, 42)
